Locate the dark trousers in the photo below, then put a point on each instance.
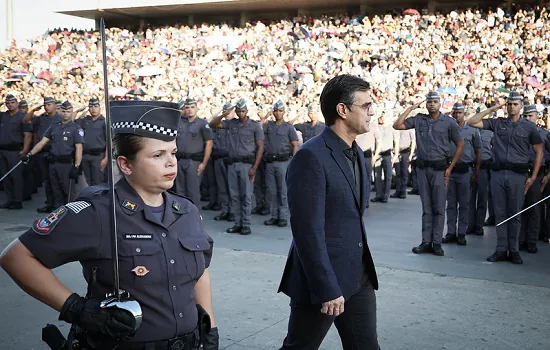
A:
(545, 214)
(13, 184)
(260, 187)
(307, 326)
(530, 220)
(91, 167)
(45, 171)
(209, 172)
(402, 173)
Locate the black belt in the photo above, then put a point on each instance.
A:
(462, 168)
(188, 341)
(193, 156)
(94, 151)
(368, 153)
(434, 164)
(386, 153)
(486, 164)
(270, 158)
(219, 155)
(520, 168)
(61, 159)
(11, 147)
(232, 160)
(406, 150)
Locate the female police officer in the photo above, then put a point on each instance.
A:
(164, 252)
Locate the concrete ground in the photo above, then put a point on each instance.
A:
(458, 301)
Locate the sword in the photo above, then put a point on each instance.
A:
(119, 298)
(524, 210)
(12, 169)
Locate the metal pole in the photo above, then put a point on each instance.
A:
(9, 22)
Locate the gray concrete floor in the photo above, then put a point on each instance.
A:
(459, 301)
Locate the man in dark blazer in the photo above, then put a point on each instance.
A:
(329, 275)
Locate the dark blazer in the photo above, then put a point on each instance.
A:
(326, 217)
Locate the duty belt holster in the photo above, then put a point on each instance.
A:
(434, 164)
(367, 153)
(462, 168)
(276, 158)
(385, 153)
(520, 168)
(193, 156)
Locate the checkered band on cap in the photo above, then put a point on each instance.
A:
(153, 119)
(515, 96)
(279, 106)
(49, 100)
(227, 106)
(10, 98)
(93, 102)
(458, 107)
(23, 103)
(241, 104)
(432, 95)
(530, 109)
(145, 126)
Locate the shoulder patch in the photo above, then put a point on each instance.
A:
(207, 126)
(77, 207)
(81, 132)
(46, 224)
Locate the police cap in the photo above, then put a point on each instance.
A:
(279, 106)
(241, 104)
(66, 106)
(528, 109)
(23, 103)
(515, 96)
(432, 95)
(93, 102)
(153, 119)
(458, 107)
(49, 100)
(228, 106)
(10, 98)
(190, 101)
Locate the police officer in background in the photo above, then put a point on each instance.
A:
(434, 133)
(194, 148)
(15, 140)
(66, 139)
(479, 195)
(312, 128)
(30, 184)
(220, 153)
(164, 251)
(386, 142)
(512, 175)
(462, 176)
(531, 219)
(94, 158)
(245, 147)
(406, 150)
(366, 142)
(281, 143)
(40, 124)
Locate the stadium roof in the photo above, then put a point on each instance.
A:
(170, 8)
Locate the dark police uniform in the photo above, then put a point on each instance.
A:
(279, 151)
(366, 142)
(163, 251)
(94, 146)
(479, 196)
(433, 141)
(309, 130)
(406, 139)
(12, 137)
(512, 143)
(459, 187)
(40, 125)
(241, 143)
(219, 153)
(531, 219)
(63, 138)
(192, 136)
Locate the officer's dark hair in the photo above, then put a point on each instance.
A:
(128, 145)
(340, 89)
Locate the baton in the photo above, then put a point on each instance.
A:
(12, 169)
(529, 207)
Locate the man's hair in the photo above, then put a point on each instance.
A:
(340, 89)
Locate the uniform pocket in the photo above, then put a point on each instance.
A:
(141, 261)
(193, 254)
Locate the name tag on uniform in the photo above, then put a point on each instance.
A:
(138, 236)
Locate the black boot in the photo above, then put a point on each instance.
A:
(489, 222)
(532, 248)
(235, 229)
(438, 250)
(15, 206)
(282, 223)
(498, 256)
(461, 239)
(271, 222)
(221, 217)
(449, 238)
(246, 231)
(423, 248)
(515, 258)
(230, 217)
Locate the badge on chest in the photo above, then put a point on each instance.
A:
(138, 237)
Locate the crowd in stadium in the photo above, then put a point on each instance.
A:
(469, 55)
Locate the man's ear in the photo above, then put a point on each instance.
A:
(342, 110)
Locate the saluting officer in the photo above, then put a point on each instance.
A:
(434, 133)
(245, 147)
(406, 150)
(386, 142)
(281, 143)
(220, 152)
(65, 154)
(458, 189)
(15, 140)
(94, 158)
(312, 128)
(366, 142)
(164, 251)
(194, 148)
(510, 180)
(531, 219)
(479, 196)
(40, 124)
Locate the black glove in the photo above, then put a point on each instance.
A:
(26, 158)
(211, 340)
(86, 313)
(74, 173)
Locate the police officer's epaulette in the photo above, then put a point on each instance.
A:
(92, 191)
(180, 195)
